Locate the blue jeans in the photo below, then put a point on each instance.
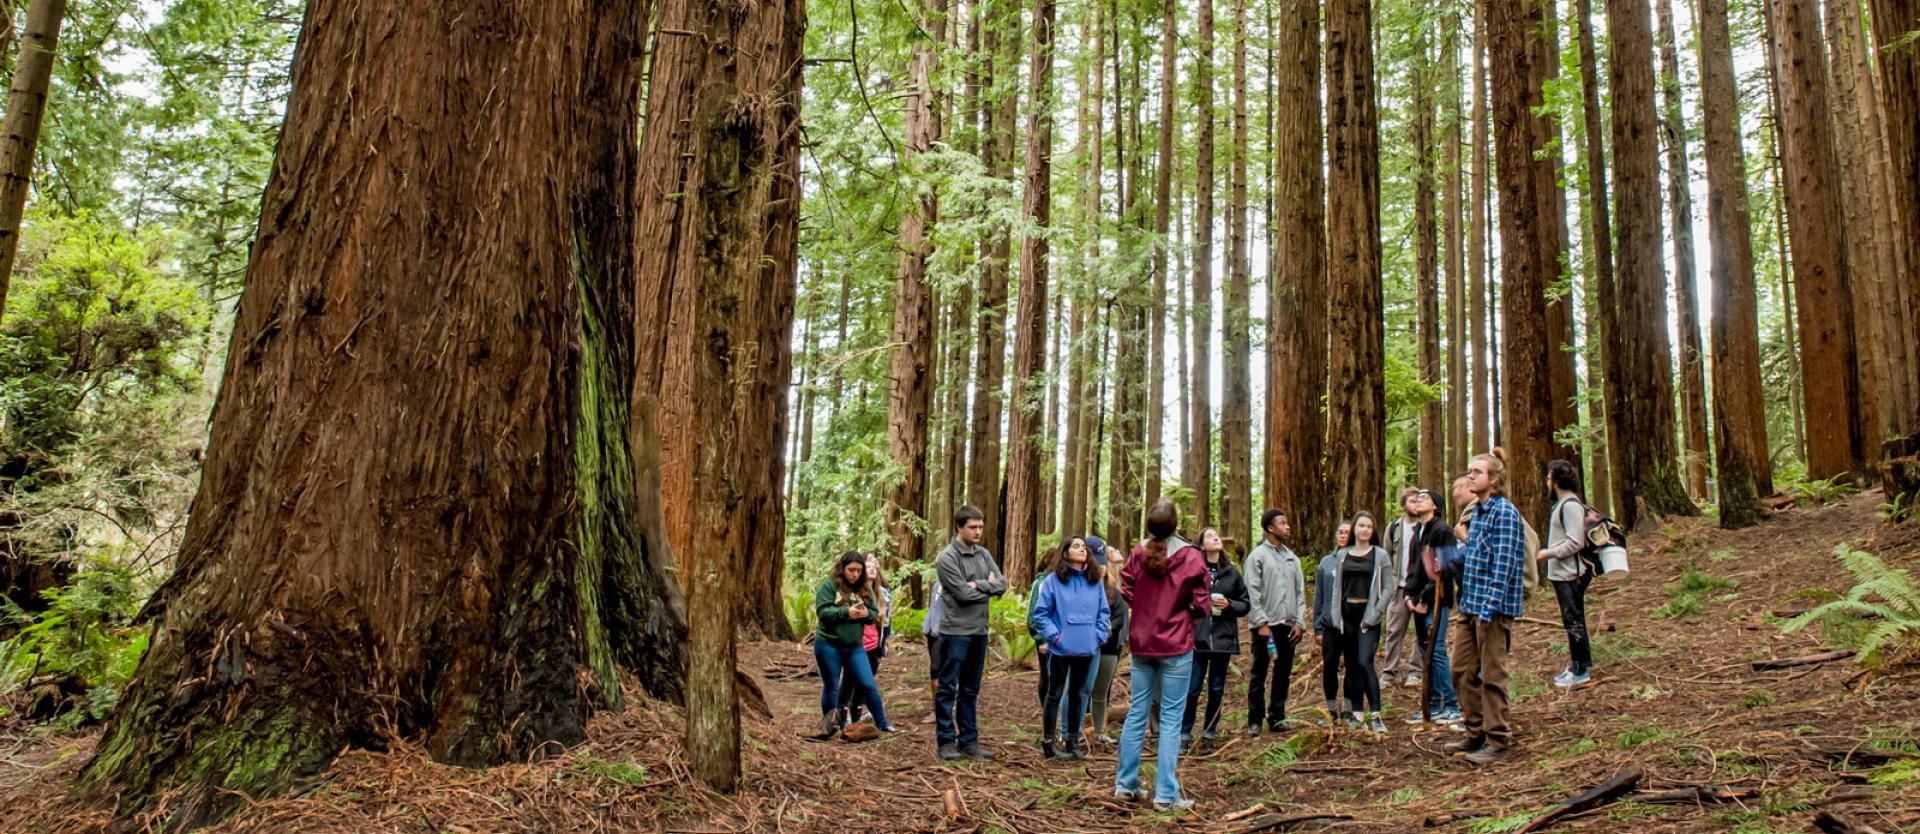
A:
(1440, 696)
(836, 661)
(1167, 678)
(963, 660)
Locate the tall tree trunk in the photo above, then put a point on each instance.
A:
(1646, 461)
(1183, 362)
(26, 109)
(1877, 315)
(1893, 21)
(1297, 306)
(1124, 502)
(1196, 473)
(1432, 452)
(760, 519)
(1029, 334)
(1454, 220)
(1477, 256)
(1001, 22)
(1563, 383)
(910, 370)
(1600, 227)
(1741, 453)
(452, 538)
(1831, 384)
(1050, 433)
(1525, 337)
(1599, 475)
(1162, 220)
(1077, 498)
(1236, 407)
(1356, 385)
(1693, 405)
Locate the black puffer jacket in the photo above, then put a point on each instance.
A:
(1117, 635)
(1222, 634)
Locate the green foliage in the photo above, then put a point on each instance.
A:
(907, 620)
(1899, 773)
(83, 641)
(1501, 825)
(1756, 699)
(1286, 753)
(631, 774)
(801, 616)
(1882, 592)
(1007, 626)
(1688, 597)
(1807, 491)
(1610, 648)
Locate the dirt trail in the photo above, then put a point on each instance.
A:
(1674, 693)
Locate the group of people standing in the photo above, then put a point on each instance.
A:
(1176, 607)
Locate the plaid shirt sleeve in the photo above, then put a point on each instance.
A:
(1494, 562)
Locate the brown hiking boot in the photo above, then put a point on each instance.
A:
(1489, 753)
(1466, 746)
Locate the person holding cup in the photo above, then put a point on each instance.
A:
(1216, 636)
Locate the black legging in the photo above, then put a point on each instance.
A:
(1572, 597)
(1210, 677)
(1066, 677)
(1359, 646)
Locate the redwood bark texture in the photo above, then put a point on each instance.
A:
(1527, 392)
(1900, 96)
(1236, 406)
(1830, 383)
(1646, 457)
(1673, 132)
(1356, 383)
(1196, 471)
(1600, 227)
(1454, 220)
(1426, 259)
(1743, 474)
(984, 478)
(1024, 432)
(1297, 305)
(910, 373)
(1479, 247)
(416, 512)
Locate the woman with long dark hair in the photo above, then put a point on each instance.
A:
(1431, 594)
(845, 605)
(873, 638)
(1216, 636)
(1070, 613)
(1354, 586)
(1566, 537)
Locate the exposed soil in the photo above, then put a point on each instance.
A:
(1676, 695)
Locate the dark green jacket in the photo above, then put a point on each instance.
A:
(834, 627)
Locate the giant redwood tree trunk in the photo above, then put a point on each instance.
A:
(415, 515)
(1297, 306)
(1356, 376)
(1162, 225)
(1196, 471)
(1001, 25)
(1024, 432)
(1453, 220)
(1236, 404)
(1600, 228)
(1900, 95)
(1827, 348)
(1478, 293)
(910, 373)
(1739, 406)
(1693, 404)
(1646, 457)
(1426, 270)
(1526, 337)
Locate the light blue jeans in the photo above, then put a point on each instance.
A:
(1166, 678)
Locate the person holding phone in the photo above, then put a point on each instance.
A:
(845, 605)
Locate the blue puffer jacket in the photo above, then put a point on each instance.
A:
(1072, 617)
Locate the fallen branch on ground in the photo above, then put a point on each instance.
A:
(1833, 823)
(1856, 754)
(1701, 794)
(1808, 660)
(1270, 823)
(1611, 790)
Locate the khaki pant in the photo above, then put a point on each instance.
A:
(1393, 628)
(1479, 656)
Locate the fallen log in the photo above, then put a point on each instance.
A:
(1853, 754)
(1833, 823)
(1269, 823)
(1611, 790)
(1807, 660)
(1701, 795)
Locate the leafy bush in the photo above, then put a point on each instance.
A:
(1810, 491)
(1882, 592)
(83, 645)
(800, 613)
(907, 620)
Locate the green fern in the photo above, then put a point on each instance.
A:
(1884, 595)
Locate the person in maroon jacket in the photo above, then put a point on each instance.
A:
(1165, 583)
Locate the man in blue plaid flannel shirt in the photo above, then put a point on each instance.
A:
(1493, 572)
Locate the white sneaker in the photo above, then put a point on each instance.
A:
(1129, 796)
(1414, 682)
(1181, 804)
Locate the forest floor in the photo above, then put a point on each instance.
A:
(1675, 693)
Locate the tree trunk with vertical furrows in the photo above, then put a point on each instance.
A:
(1024, 433)
(1356, 385)
(1673, 132)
